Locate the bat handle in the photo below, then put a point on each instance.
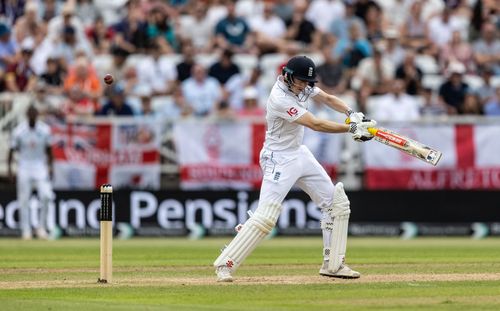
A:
(373, 130)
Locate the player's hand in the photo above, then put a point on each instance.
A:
(356, 116)
(359, 130)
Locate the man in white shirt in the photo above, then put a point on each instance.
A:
(396, 105)
(31, 141)
(285, 162)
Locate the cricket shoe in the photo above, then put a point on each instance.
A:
(42, 234)
(27, 236)
(223, 274)
(344, 272)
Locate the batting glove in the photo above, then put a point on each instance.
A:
(359, 130)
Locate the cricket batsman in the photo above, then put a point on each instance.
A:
(31, 140)
(285, 162)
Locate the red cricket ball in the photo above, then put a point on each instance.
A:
(108, 79)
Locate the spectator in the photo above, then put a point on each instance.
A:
(301, 33)
(12, 10)
(8, 47)
(396, 105)
(100, 36)
(82, 78)
(176, 107)
(86, 11)
(117, 65)
(410, 73)
(458, 50)
(376, 74)
(492, 106)
(487, 49)
(331, 73)
(131, 32)
(197, 29)
(157, 72)
(233, 32)
(49, 9)
(284, 9)
(431, 106)
(341, 26)
(453, 91)
(393, 49)
(414, 29)
(70, 45)
(31, 141)
(53, 77)
(161, 30)
(375, 24)
(269, 30)
(202, 93)
(353, 49)
(440, 29)
(487, 91)
(471, 104)
(184, 68)
(225, 68)
(67, 19)
(117, 104)
(251, 106)
(30, 25)
(19, 76)
(323, 12)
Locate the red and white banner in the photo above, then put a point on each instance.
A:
(470, 159)
(124, 153)
(226, 155)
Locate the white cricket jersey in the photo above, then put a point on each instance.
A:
(283, 108)
(31, 144)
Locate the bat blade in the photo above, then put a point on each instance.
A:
(407, 145)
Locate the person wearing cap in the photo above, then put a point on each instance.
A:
(452, 92)
(19, 76)
(251, 106)
(286, 162)
(8, 46)
(117, 104)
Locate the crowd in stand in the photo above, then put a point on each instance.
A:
(398, 59)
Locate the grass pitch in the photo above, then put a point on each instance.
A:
(281, 274)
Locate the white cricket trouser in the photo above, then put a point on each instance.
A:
(283, 170)
(26, 182)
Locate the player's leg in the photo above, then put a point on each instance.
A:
(46, 196)
(24, 188)
(277, 182)
(335, 216)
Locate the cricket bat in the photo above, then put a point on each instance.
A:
(407, 145)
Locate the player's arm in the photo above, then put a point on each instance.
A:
(322, 125)
(333, 102)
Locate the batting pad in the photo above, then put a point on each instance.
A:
(254, 230)
(340, 212)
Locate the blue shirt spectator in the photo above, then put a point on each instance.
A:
(8, 47)
(231, 30)
(116, 105)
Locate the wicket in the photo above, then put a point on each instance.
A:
(106, 222)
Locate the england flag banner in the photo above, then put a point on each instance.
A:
(470, 159)
(122, 152)
(225, 154)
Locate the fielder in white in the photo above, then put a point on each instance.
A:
(31, 141)
(285, 162)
